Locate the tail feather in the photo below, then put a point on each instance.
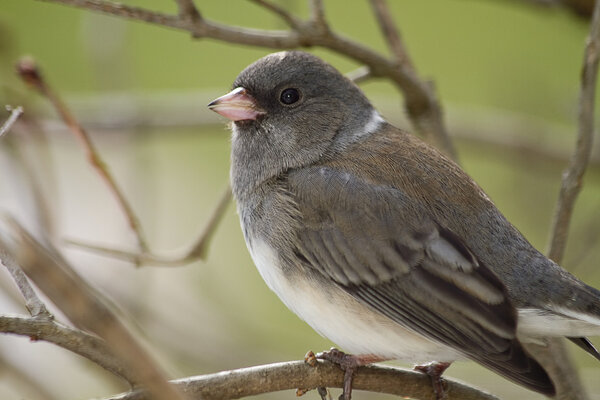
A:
(521, 368)
(586, 345)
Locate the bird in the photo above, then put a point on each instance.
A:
(380, 242)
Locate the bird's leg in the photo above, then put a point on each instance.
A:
(435, 370)
(349, 363)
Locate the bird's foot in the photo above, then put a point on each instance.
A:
(349, 363)
(435, 370)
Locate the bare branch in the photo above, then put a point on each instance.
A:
(83, 305)
(252, 381)
(15, 113)
(79, 342)
(317, 15)
(573, 175)
(359, 75)
(288, 18)
(33, 303)
(197, 252)
(391, 34)
(31, 74)
(188, 10)
(201, 247)
(421, 102)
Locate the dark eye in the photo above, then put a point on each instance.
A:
(289, 96)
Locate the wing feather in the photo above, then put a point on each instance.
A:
(380, 247)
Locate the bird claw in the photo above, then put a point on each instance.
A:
(310, 358)
(347, 362)
(435, 370)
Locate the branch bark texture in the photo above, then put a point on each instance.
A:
(291, 375)
(79, 342)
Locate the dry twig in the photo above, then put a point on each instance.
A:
(31, 74)
(391, 34)
(15, 113)
(197, 252)
(77, 341)
(187, 9)
(33, 303)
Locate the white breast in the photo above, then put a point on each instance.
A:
(337, 316)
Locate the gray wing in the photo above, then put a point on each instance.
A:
(381, 248)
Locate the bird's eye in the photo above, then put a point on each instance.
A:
(289, 96)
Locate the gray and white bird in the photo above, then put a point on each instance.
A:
(380, 242)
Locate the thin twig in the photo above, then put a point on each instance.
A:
(421, 102)
(187, 9)
(83, 305)
(391, 34)
(33, 303)
(573, 175)
(426, 116)
(359, 75)
(30, 73)
(281, 12)
(197, 252)
(200, 249)
(290, 375)
(15, 113)
(317, 15)
(77, 341)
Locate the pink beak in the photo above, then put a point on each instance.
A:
(237, 105)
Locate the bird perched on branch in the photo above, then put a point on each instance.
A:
(380, 242)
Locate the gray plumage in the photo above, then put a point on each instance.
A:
(379, 241)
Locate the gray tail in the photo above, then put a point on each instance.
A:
(521, 368)
(586, 345)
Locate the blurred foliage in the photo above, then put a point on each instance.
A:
(483, 55)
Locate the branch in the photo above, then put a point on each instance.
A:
(34, 305)
(421, 102)
(573, 175)
(15, 113)
(31, 74)
(317, 15)
(188, 10)
(83, 305)
(391, 34)
(197, 252)
(77, 341)
(291, 375)
(288, 18)
(200, 249)
(359, 75)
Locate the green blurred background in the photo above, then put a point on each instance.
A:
(508, 77)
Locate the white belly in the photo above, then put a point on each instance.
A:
(339, 317)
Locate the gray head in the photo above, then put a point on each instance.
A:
(289, 109)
